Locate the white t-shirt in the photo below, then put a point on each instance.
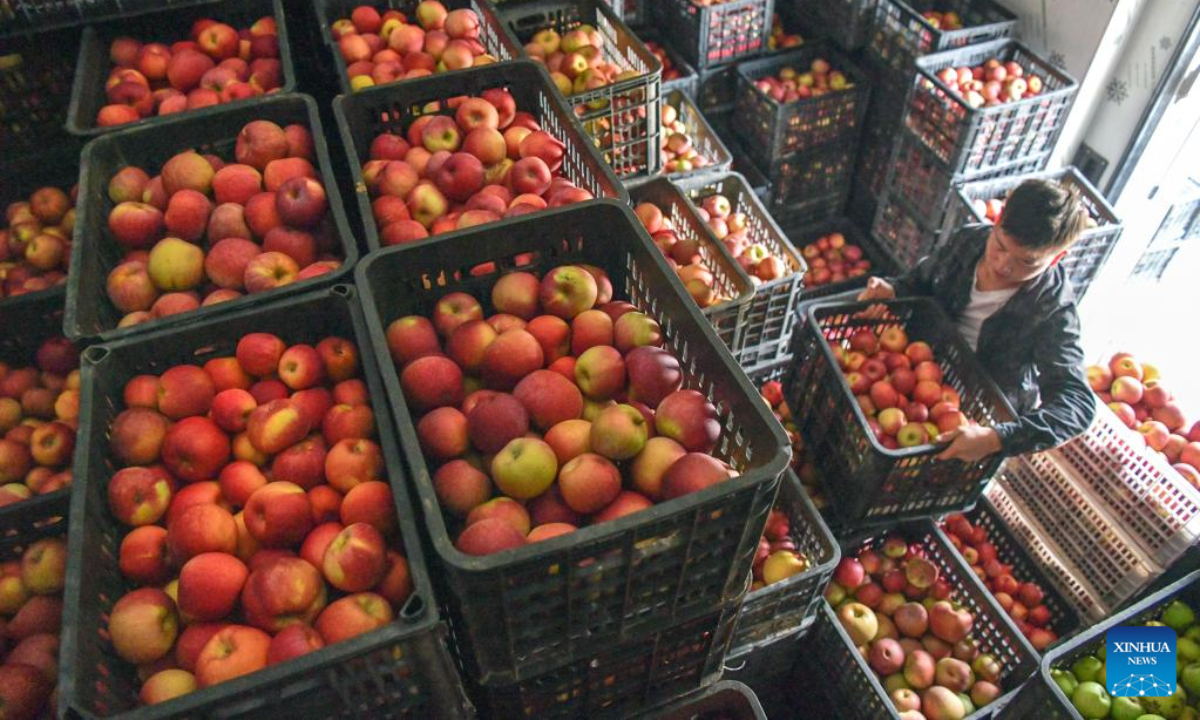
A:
(983, 305)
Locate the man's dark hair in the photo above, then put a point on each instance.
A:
(1044, 214)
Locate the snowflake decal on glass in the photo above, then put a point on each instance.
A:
(1165, 42)
(1117, 91)
(1057, 60)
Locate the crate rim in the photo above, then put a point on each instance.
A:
(91, 34)
(716, 688)
(1089, 635)
(407, 623)
(419, 470)
(336, 211)
(739, 274)
(351, 156)
(1070, 84)
(929, 27)
(879, 250)
(80, 20)
(925, 449)
(821, 44)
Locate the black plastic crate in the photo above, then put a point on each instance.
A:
(811, 186)
(621, 118)
(716, 90)
(1064, 620)
(846, 22)
(900, 34)
(775, 610)
(26, 16)
(703, 137)
(767, 670)
(689, 78)
(858, 688)
(770, 317)
(1090, 251)
(865, 482)
(918, 177)
(620, 681)
(972, 139)
(93, 66)
(35, 90)
(726, 699)
(402, 670)
(717, 34)
(729, 279)
(1042, 698)
(26, 321)
(540, 607)
(91, 316)
(722, 123)
(1153, 264)
(393, 108)
(491, 35)
(903, 229)
(21, 175)
(882, 262)
(771, 129)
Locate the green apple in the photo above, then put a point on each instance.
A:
(1102, 652)
(1153, 717)
(968, 706)
(1086, 668)
(1170, 707)
(895, 682)
(1193, 633)
(1065, 681)
(1155, 623)
(1091, 700)
(1178, 616)
(1189, 678)
(1187, 649)
(1124, 708)
(835, 594)
(1188, 714)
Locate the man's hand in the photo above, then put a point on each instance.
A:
(969, 444)
(877, 289)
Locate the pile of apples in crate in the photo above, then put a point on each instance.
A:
(1021, 600)
(576, 60)
(777, 557)
(902, 616)
(1084, 682)
(899, 387)
(772, 392)
(385, 47)
(539, 417)
(943, 20)
(780, 38)
(216, 64)
(831, 260)
(31, 587)
(791, 85)
(683, 255)
(679, 152)
(486, 161)
(260, 525)
(35, 246)
(992, 83)
(1135, 393)
(669, 70)
(205, 231)
(733, 230)
(39, 414)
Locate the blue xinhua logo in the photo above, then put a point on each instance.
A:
(1140, 662)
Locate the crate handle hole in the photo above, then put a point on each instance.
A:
(414, 607)
(95, 355)
(346, 291)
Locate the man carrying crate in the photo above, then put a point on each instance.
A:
(1013, 304)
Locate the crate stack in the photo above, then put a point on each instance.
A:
(619, 616)
(981, 202)
(622, 117)
(949, 138)
(1102, 515)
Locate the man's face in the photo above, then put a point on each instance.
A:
(1012, 262)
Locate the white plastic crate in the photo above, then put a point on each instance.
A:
(1153, 503)
(1034, 539)
(1105, 557)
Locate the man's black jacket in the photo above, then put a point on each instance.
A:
(1030, 346)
